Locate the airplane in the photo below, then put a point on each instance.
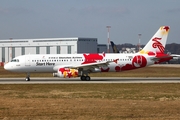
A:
(80, 65)
(114, 47)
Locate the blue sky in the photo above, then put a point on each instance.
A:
(21, 19)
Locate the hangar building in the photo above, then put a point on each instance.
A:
(15, 47)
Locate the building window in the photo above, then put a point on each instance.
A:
(3, 54)
(48, 50)
(13, 52)
(69, 49)
(58, 50)
(98, 50)
(37, 50)
(23, 50)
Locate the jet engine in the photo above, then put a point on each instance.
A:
(66, 73)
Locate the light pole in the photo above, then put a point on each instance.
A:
(139, 41)
(108, 27)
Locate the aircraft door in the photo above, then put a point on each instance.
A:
(27, 60)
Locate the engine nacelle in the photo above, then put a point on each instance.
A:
(66, 73)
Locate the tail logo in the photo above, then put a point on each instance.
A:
(158, 44)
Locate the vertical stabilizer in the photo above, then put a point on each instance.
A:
(157, 43)
(114, 47)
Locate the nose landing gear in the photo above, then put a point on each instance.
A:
(27, 77)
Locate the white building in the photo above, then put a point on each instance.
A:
(15, 47)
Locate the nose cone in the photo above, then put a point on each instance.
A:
(13, 67)
(10, 67)
(7, 66)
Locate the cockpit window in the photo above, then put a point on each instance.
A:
(15, 60)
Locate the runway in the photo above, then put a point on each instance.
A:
(53, 80)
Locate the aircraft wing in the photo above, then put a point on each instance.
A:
(89, 66)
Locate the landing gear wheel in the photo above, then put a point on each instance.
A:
(27, 79)
(87, 78)
(83, 78)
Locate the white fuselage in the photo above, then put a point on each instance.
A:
(52, 62)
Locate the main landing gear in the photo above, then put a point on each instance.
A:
(27, 77)
(84, 74)
(85, 78)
